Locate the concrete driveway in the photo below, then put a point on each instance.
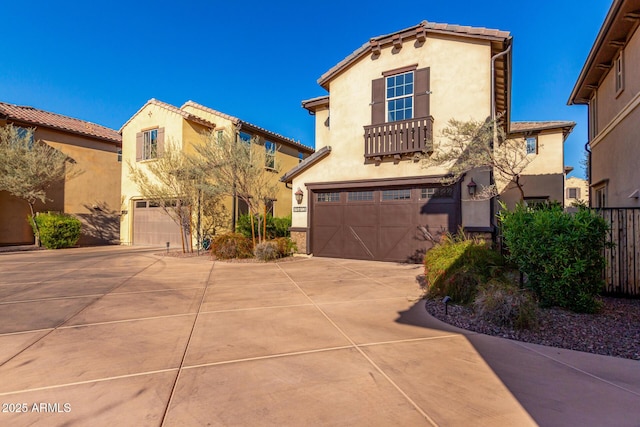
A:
(120, 336)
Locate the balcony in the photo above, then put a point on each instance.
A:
(395, 139)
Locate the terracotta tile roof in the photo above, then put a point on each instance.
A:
(174, 109)
(521, 127)
(34, 117)
(238, 121)
(412, 32)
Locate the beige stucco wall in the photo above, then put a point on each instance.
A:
(150, 117)
(92, 195)
(615, 159)
(543, 176)
(610, 104)
(460, 72)
(615, 151)
(582, 185)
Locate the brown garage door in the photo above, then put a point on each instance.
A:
(385, 224)
(153, 227)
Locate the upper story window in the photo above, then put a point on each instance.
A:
(150, 144)
(245, 137)
(572, 193)
(532, 144)
(270, 159)
(593, 117)
(399, 97)
(619, 72)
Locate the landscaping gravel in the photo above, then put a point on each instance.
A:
(615, 331)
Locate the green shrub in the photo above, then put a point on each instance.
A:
(505, 304)
(276, 226)
(457, 265)
(57, 230)
(285, 245)
(560, 253)
(231, 245)
(266, 251)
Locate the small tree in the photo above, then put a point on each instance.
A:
(171, 182)
(234, 167)
(29, 168)
(480, 145)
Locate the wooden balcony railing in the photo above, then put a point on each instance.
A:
(399, 138)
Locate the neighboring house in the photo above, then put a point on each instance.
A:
(365, 193)
(93, 196)
(609, 84)
(576, 191)
(543, 178)
(144, 137)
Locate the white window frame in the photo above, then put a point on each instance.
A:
(388, 98)
(618, 70)
(150, 144)
(593, 117)
(527, 140)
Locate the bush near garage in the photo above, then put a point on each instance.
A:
(266, 251)
(276, 226)
(457, 265)
(231, 245)
(57, 230)
(560, 254)
(286, 246)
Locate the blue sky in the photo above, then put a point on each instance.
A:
(101, 61)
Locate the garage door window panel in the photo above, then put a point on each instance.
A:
(328, 197)
(396, 195)
(360, 196)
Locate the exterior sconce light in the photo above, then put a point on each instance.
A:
(471, 186)
(299, 194)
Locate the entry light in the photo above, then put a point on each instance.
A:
(299, 194)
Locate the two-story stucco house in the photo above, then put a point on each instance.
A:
(144, 137)
(365, 193)
(93, 196)
(609, 84)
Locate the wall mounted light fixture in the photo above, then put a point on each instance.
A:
(299, 195)
(471, 186)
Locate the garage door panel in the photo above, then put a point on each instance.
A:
(361, 215)
(154, 227)
(385, 225)
(360, 242)
(328, 240)
(398, 214)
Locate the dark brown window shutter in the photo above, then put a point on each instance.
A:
(377, 101)
(160, 142)
(139, 139)
(423, 85)
(577, 193)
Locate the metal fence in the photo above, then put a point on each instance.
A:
(622, 273)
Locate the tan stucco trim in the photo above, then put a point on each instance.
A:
(628, 109)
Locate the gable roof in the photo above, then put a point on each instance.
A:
(306, 164)
(524, 127)
(34, 117)
(621, 22)
(184, 114)
(423, 28)
(238, 122)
